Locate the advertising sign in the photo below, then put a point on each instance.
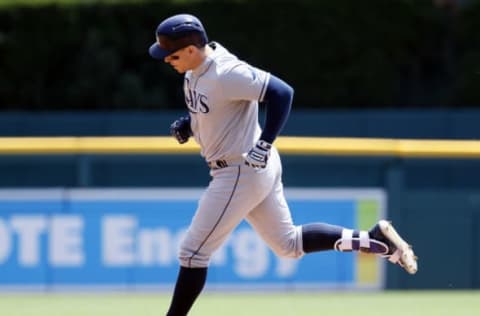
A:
(128, 239)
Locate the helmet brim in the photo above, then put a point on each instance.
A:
(157, 52)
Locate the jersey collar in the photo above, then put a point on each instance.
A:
(209, 59)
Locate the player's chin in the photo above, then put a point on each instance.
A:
(179, 70)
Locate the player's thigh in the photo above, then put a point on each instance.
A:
(272, 220)
(230, 196)
(223, 205)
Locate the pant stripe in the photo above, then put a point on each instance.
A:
(219, 218)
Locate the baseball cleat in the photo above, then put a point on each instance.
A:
(400, 252)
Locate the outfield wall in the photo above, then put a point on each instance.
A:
(434, 201)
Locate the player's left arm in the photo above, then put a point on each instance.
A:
(278, 100)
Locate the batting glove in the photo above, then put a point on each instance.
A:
(257, 156)
(181, 130)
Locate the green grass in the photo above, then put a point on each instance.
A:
(408, 303)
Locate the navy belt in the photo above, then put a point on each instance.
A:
(217, 164)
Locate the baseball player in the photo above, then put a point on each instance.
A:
(222, 94)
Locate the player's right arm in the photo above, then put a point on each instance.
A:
(249, 83)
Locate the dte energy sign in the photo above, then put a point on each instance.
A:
(128, 238)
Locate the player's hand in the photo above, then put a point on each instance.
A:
(181, 130)
(257, 157)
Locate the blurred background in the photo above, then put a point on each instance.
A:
(400, 69)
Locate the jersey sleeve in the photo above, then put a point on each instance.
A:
(244, 82)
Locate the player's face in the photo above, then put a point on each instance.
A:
(181, 60)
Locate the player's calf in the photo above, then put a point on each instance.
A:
(322, 236)
(382, 240)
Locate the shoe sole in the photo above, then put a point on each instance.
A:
(408, 259)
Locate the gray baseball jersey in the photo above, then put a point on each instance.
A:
(222, 97)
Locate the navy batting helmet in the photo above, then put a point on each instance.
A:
(177, 32)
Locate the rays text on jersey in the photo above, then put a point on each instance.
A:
(196, 102)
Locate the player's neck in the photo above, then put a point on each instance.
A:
(201, 56)
(208, 50)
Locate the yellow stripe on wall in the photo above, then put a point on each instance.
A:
(286, 145)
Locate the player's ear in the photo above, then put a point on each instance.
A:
(191, 49)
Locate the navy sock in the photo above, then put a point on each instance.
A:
(321, 236)
(190, 282)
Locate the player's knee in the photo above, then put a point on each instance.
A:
(291, 246)
(287, 253)
(192, 259)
